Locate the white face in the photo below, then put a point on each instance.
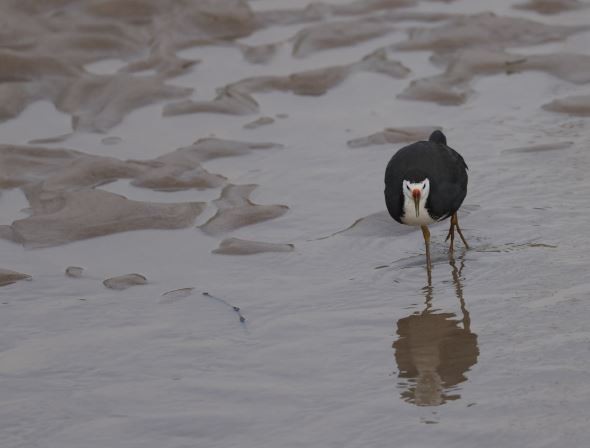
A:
(422, 187)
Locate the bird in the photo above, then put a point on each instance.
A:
(425, 183)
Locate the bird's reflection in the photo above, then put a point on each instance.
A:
(434, 349)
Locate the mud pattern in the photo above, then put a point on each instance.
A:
(262, 121)
(125, 281)
(366, 6)
(574, 105)
(206, 149)
(20, 165)
(549, 7)
(178, 293)
(236, 246)
(317, 11)
(541, 148)
(325, 36)
(485, 30)
(8, 277)
(228, 101)
(453, 87)
(337, 34)
(52, 66)
(235, 210)
(95, 103)
(65, 206)
(259, 54)
(237, 99)
(147, 34)
(394, 135)
(178, 177)
(74, 271)
(63, 217)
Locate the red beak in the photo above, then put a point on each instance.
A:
(416, 195)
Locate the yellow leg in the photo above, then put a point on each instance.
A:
(451, 234)
(426, 234)
(459, 231)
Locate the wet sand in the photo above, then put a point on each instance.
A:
(151, 152)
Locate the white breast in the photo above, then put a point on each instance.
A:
(410, 218)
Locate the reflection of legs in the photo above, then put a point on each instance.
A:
(456, 274)
(426, 234)
(428, 293)
(451, 234)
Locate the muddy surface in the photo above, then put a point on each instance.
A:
(393, 136)
(235, 210)
(262, 121)
(8, 277)
(237, 99)
(453, 87)
(551, 6)
(236, 246)
(125, 281)
(173, 138)
(74, 271)
(572, 105)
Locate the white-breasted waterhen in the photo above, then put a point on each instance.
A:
(426, 182)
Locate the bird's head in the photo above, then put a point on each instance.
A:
(416, 192)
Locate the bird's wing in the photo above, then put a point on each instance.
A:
(453, 194)
(394, 203)
(456, 156)
(393, 189)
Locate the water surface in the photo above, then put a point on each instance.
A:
(128, 150)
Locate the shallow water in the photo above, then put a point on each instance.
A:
(338, 340)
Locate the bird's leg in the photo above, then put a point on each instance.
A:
(459, 230)
(426, 234)
(451, 234)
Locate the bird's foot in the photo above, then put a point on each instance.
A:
(455, 222)
(462, 238)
